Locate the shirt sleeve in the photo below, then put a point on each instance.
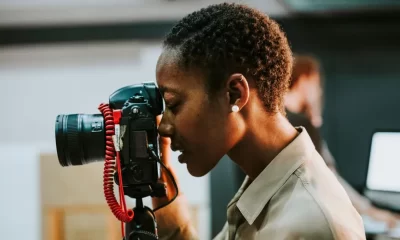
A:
(173, 221)
(360, 202)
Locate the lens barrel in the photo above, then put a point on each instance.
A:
(80, 139)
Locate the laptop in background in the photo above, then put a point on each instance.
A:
(383, 176)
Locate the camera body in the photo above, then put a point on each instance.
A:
(139, 104)
(139, 138)
(82, 138)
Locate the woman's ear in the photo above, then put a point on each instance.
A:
(238, 91)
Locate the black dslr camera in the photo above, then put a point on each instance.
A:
(125, 137)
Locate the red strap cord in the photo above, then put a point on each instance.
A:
(112, 160)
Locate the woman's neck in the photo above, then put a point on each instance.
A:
(261, 145)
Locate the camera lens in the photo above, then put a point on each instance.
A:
(80, 139)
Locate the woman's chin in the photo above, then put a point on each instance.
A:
(195, 171)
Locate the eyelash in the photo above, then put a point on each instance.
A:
(172, 107)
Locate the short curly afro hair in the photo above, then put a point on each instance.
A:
(228, 38)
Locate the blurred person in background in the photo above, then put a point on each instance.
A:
(223, 74)
(304, 105)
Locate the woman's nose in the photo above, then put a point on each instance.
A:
(165, 129)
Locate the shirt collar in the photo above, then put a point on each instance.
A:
(253, 199)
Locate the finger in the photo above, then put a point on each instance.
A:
(158, 119)
(392, 223)
(165, 177)
(165, 149)
(390, 219)
(165, 143)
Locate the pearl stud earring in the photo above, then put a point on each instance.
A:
(235, 108)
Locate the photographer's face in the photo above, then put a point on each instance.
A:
(197, 125)
(313, 99)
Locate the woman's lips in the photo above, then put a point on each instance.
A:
(182, 157)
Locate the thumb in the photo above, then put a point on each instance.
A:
(165, 145)
(165, 150)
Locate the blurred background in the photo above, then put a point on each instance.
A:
(63, 57)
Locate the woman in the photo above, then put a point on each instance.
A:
(223, 73)
(304, 107)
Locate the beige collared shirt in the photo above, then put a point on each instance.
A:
(295, 197)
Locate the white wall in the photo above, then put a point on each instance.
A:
(20, 202)
(38, 83)
(54, 12)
